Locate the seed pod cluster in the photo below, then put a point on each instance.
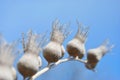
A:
(54, 50)
(76, 47)
(7, 57)
(30, 62)
(96, 54)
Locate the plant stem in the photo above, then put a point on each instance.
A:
(54, 65)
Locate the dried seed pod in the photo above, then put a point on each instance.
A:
(95, 55)
(30, 62)
(54, 50)
(76, 47)
(7, 57)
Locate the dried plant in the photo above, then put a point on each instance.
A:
(76, 47)
(30, 62)
(7, 57)
(33, 43)
(54, 50)
(96, 54)
(59, 32)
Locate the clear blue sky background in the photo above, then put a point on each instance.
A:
(103, 17)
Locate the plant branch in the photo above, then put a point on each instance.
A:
(47, 68)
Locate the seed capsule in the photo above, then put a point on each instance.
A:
(54, 50)
(96, 54)
(30, 62)
(76, 47)
(7, 57)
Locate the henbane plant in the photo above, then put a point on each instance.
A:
(29, 65)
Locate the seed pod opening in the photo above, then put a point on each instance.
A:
(96, 54)
(30, 62)
(33, 43)
(82, 33)
(59, 32)
(54, 50)
(76, 47)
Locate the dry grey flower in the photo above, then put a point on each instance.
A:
(7, 57)
(76, 47)
(54, 50)
(96, 54)
(30, 62)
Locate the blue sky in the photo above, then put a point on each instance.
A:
(103, 17)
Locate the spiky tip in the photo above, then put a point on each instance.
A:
(106, 46)
(33, 42)
(82, 32)
(59, 32)
(7, 52)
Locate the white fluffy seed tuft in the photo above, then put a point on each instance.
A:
(106, 46)
(82, 32)
(33, 42)
(7, 52)
(59, 32)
